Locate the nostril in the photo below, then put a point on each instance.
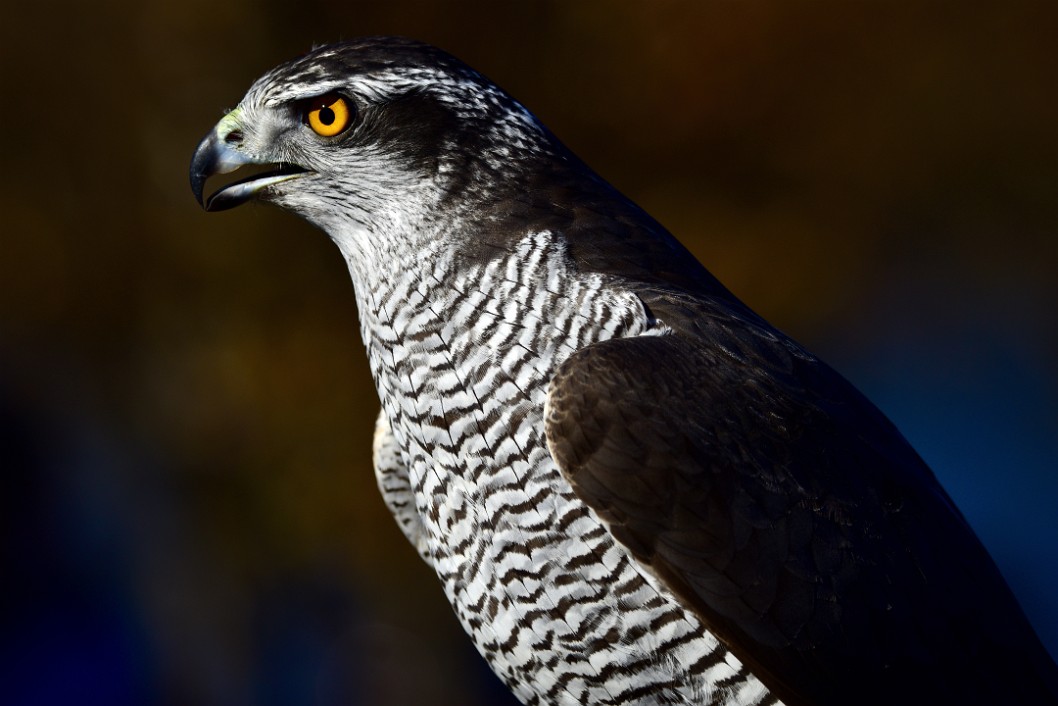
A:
(234, 137)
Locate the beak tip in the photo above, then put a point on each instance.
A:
(197, 182)
(203, 166)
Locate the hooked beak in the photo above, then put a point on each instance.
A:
(219, 153)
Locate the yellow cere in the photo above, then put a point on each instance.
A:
(329, 115)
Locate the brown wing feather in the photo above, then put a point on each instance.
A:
(782, 507)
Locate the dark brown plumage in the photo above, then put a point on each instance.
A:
(782, 505)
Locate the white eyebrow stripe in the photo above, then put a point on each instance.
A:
(296, 92)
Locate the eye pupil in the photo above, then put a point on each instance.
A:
(327, 116)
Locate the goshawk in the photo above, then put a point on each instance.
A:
(632, 488)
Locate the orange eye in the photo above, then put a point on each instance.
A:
(329, 115)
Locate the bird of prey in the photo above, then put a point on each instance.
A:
(632, 488)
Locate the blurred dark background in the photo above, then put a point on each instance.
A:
(187, 505)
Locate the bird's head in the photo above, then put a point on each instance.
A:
(370, 136)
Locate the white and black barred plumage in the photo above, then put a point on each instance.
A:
(633, 489)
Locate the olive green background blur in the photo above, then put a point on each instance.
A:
(188, 510)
